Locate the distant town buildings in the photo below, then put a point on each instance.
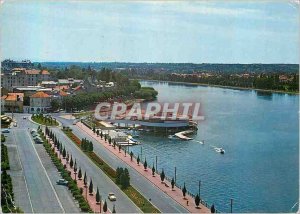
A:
(12, 102)
(26, 82)
(69, 81)
(8, 64)
(22, 77)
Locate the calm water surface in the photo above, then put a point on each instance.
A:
(259, 133)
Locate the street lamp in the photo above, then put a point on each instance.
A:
(100, 202)
(175, 174)
(199, 189)
(156, 163)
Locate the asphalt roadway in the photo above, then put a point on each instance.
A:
(33, 174)
(100, 179)
(160, 199)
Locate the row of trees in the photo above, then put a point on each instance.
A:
(258, 81)
(121, 171)
(123, 177)
(41, 118)
(105, 136)
(86, 145)
(78, 172)
(267, 81)
(4, 158)
(85, 100)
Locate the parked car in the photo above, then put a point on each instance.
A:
(111, 196)
(37, 139)
(5, 131)
(35, 134)
(62, 182)
(33, 131)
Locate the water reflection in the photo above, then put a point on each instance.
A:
(260, 139)
(266, 95)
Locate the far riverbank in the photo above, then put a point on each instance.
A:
(222, 86)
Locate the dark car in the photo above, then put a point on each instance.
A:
(5, 131)
(62, 182)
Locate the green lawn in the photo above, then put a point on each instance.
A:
(44, 121)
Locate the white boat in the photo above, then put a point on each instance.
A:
(132, 141)
(220, 150)
(172, 137)
(181, 135)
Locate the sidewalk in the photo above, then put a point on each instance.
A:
(91, 199)
(176, 194)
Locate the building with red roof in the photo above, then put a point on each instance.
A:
(40, 102)
(12, 102)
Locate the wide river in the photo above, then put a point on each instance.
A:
(259, 133)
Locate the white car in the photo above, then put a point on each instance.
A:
(112, 197)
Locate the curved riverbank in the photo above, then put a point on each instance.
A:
(227, 87)
(251, 128)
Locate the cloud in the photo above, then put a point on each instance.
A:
(198, 7)
(209, 10)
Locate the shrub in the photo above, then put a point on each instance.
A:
(84, 208)
(2, 138)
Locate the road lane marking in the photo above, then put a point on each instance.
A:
(107, 178)
(59, 202)
(165, 195)
(23, 172)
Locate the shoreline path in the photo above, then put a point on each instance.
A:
(175, 194)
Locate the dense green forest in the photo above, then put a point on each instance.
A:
(178, 67)
(268, 81)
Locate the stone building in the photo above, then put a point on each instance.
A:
(40, 102)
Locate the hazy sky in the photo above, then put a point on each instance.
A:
(136, 31)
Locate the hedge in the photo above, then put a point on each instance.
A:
(65, 175)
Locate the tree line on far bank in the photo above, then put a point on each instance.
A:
(266, 81)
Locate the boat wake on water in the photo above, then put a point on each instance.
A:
(201, 141)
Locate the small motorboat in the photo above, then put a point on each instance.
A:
(220, 150)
